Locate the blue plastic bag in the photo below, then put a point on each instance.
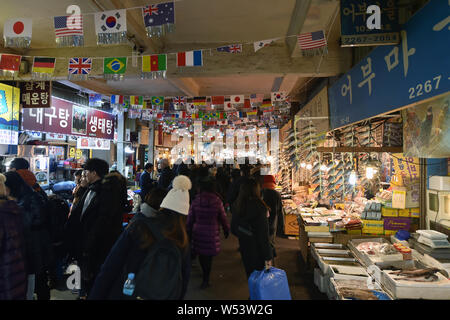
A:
(269, 284)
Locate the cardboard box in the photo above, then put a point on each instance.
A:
(404, 213)
(415, 212)
(397, 224)
(354, 232)
(375, 227)
(388, 212)
(291, 225)
(390, 232)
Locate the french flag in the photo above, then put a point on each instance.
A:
(190, 58)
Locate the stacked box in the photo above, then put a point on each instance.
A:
(405, 213)
(392, 225)
(388, 212)
(374, 227)
(415, 212)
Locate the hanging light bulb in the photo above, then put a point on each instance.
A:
(352, 178)
(323, 167)
(303, 165)
(370, 172)
(309, 166)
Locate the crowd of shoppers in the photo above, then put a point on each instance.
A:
(182, 213)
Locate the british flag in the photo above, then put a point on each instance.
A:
(80, 65)
(179, 101)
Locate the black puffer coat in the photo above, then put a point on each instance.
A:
(13, 275)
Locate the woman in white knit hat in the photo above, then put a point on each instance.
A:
(137, 239)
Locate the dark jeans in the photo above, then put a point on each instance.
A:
(205, 263)
(42, 289)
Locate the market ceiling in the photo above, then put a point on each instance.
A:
(199, 24)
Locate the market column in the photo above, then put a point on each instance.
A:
(120, 143)
(151, 143)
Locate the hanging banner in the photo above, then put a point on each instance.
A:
(391, 77)
(64, 117)
(35, 94)
(93, 144)
(426, 129)
(9, 114)
(354, 21)
(406, 169)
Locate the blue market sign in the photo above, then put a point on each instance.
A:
(391, 77)
(355, 29)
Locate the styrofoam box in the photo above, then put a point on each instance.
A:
(320, 280)
(347, 272)
(440, 183)
(368, 260)
(334, 292)
(399, 289)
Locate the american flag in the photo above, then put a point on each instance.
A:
(312, 40)
(179, 101)
(74, 27)
(80, 65)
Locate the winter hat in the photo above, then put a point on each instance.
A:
(177, 198)
(19, 163)
(269, 182)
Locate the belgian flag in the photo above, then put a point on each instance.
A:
(44, 65)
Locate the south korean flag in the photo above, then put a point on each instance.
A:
(111, 21)
(191, 108)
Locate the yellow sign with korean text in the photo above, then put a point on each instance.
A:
(406, 170)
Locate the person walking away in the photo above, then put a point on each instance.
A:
(146, 182)
(13, 275)
(80, 188)
(160, 274)
(91, 222)
(38, 247)
(250, 215)
(150, 208)
(273, 199)
(166, 176)
(206, 215)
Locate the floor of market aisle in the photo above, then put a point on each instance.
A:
(228, 281)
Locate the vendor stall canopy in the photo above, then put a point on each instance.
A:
(213, 27)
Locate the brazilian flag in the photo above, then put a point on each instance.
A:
(158, 101)
(115, 65)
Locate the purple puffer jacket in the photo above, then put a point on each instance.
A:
(205, 215)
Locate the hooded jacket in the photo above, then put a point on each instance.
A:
(206, 215)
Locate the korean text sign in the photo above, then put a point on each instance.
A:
(354, 16)
(391, 77)
(66, 118)
(35, 94)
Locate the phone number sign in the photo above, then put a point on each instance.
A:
(392, 77)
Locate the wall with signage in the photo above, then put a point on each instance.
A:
(64, 117)
(9, 114)
(393, 77)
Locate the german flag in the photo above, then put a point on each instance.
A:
(44, 65)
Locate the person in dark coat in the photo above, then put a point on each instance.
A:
(96, 222)
(135, 241)
(39, 251)
(250, 221)
(206, 215)
(146, 182)
(273, 199)
(223, 183)
(167, 175)
(13, 275)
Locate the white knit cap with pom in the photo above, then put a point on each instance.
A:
(177, 199)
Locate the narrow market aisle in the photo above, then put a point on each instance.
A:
(228, 281)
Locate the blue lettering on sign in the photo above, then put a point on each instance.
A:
(392, 77)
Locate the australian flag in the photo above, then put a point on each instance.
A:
(234, 48)
(159, 14)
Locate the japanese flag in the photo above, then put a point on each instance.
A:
(237, 99)
(19, 27)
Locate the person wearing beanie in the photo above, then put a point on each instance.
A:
(39, 251)
(22, 167)
(134, 243)
(13, 275)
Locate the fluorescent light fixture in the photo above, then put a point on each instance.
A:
(352, 178)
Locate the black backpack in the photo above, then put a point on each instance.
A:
(57, 211)
(159, 275)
